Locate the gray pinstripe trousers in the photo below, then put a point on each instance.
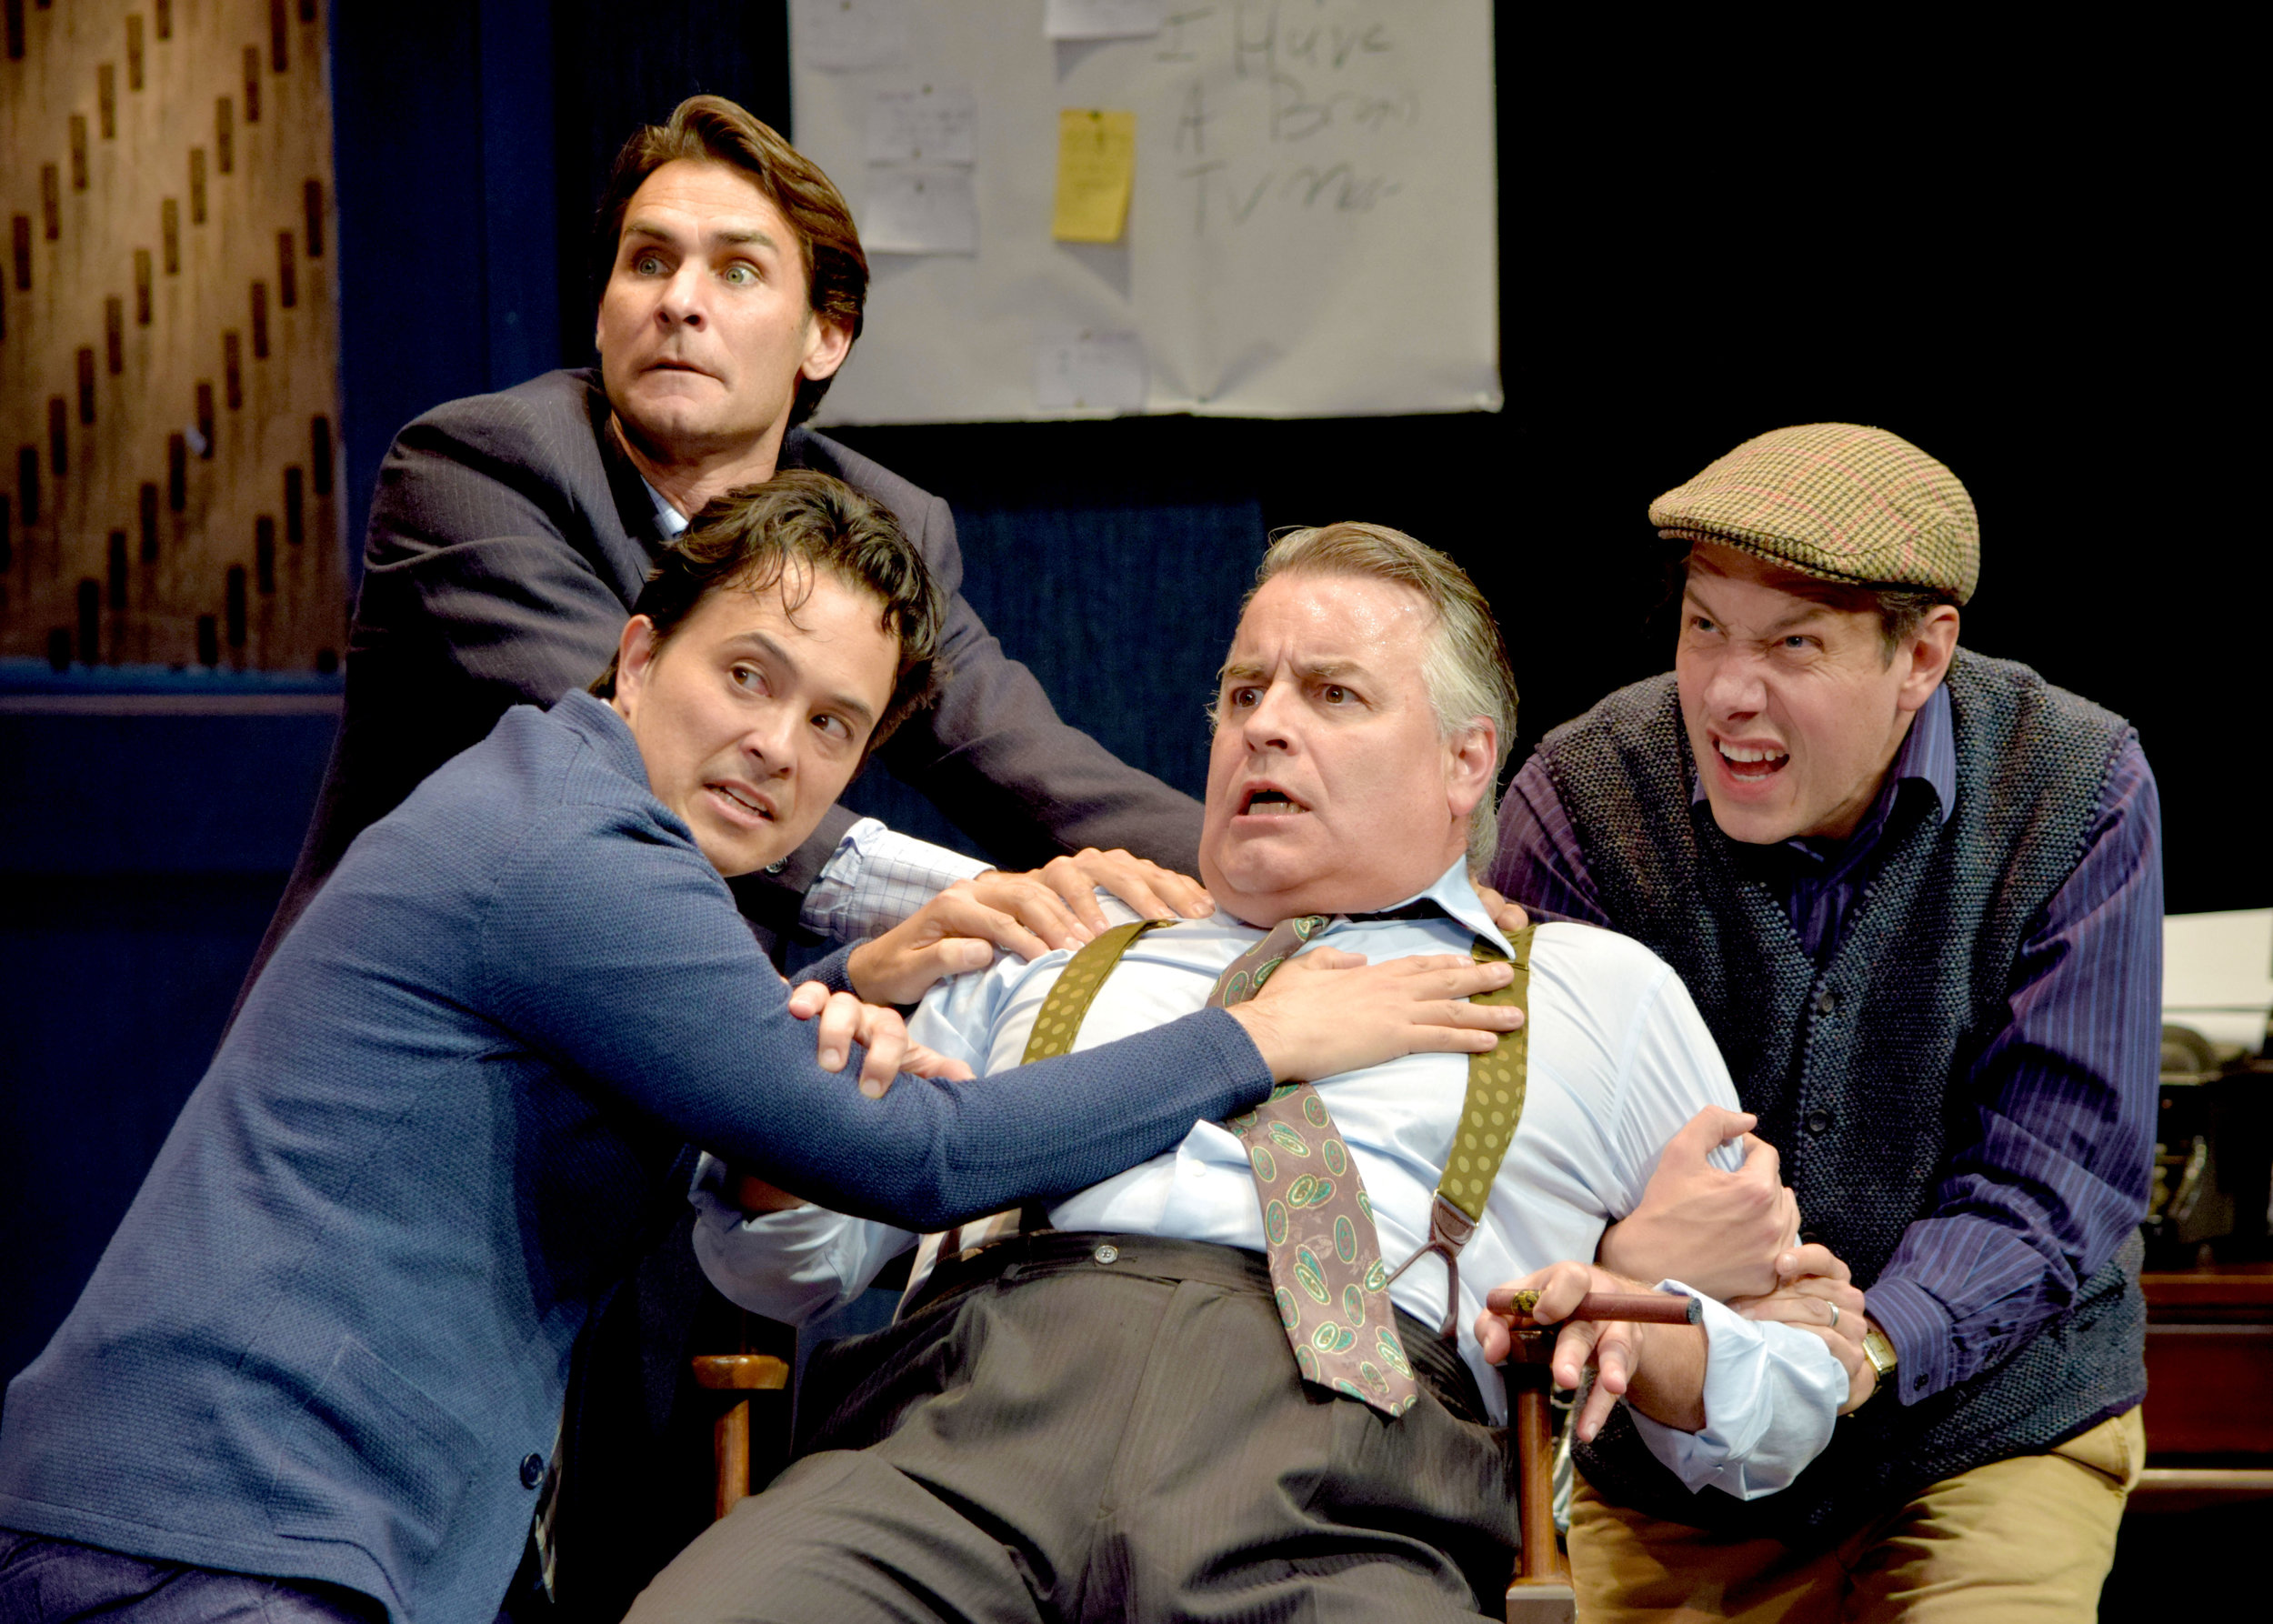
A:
(1052, 1437)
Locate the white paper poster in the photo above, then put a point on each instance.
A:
(843, 37)
(1311, 221)
(1086, 372)
(1103, 19)
(919, 211)
(926, 123)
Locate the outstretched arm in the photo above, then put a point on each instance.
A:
(673, 1008)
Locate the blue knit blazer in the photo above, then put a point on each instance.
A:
(335, 1324)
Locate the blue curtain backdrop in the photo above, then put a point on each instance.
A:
(1123, 615)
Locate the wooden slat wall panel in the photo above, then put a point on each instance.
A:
(178, 157)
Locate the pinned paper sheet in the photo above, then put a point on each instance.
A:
(931, 123)
(1097, 169)
(844, 37)
(1103, 19)
(920, 211)
(1089, 369)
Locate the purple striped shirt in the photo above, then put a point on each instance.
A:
(2056, 1177)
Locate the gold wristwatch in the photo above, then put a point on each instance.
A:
(1880, 1353)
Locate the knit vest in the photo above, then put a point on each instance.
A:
(1858, 1067)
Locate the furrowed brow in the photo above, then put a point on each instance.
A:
(1799, 617)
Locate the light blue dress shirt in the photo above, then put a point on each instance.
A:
(1619, 1061)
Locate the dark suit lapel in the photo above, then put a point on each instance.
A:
(628, 547)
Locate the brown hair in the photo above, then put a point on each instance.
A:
(710, 129)
(1465, 667)
(748, 538)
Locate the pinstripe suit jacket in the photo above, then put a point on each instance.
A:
(508, 539)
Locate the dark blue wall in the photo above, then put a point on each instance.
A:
(142, 850)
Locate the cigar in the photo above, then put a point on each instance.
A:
(1650, 1308)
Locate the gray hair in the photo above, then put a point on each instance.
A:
(1465, 669)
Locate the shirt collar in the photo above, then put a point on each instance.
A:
(1456, 897)
(668, 521)
(1928, 755)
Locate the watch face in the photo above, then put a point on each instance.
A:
(1878, 1351)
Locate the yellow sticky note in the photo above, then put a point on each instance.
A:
(1096, 168)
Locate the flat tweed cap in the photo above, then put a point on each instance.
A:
(1836, 501)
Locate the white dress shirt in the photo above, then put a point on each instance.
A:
(1618, 1060)
(876, 876)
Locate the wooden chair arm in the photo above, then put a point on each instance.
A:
(741, 1372)
(1542, 1592)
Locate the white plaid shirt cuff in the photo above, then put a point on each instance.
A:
(876, 878)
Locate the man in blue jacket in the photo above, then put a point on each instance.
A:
(318, 1369)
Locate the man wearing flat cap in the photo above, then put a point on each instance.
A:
(1916, 893)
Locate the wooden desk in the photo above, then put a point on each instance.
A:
(2209, 1387)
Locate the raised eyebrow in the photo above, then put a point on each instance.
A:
(731, 236)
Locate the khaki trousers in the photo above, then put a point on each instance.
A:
(2025, 1538)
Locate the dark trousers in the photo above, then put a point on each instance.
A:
(1109, 1427)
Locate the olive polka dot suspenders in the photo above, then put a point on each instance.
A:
(1055, 1025)
(1324, 1256)
(1488, 1125)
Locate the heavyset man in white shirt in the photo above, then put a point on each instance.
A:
(1105, 1419)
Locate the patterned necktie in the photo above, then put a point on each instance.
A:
(1317, 1226)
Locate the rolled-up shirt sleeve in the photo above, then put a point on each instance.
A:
(1772, 1395)
(876, 878)
(793, 1266)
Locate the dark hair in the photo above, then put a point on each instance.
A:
(710, 129)
(748, 538)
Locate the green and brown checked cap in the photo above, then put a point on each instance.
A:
(1836, 501)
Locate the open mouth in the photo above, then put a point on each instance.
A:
(1750, 764)
(742, 800)
(1265, 801)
